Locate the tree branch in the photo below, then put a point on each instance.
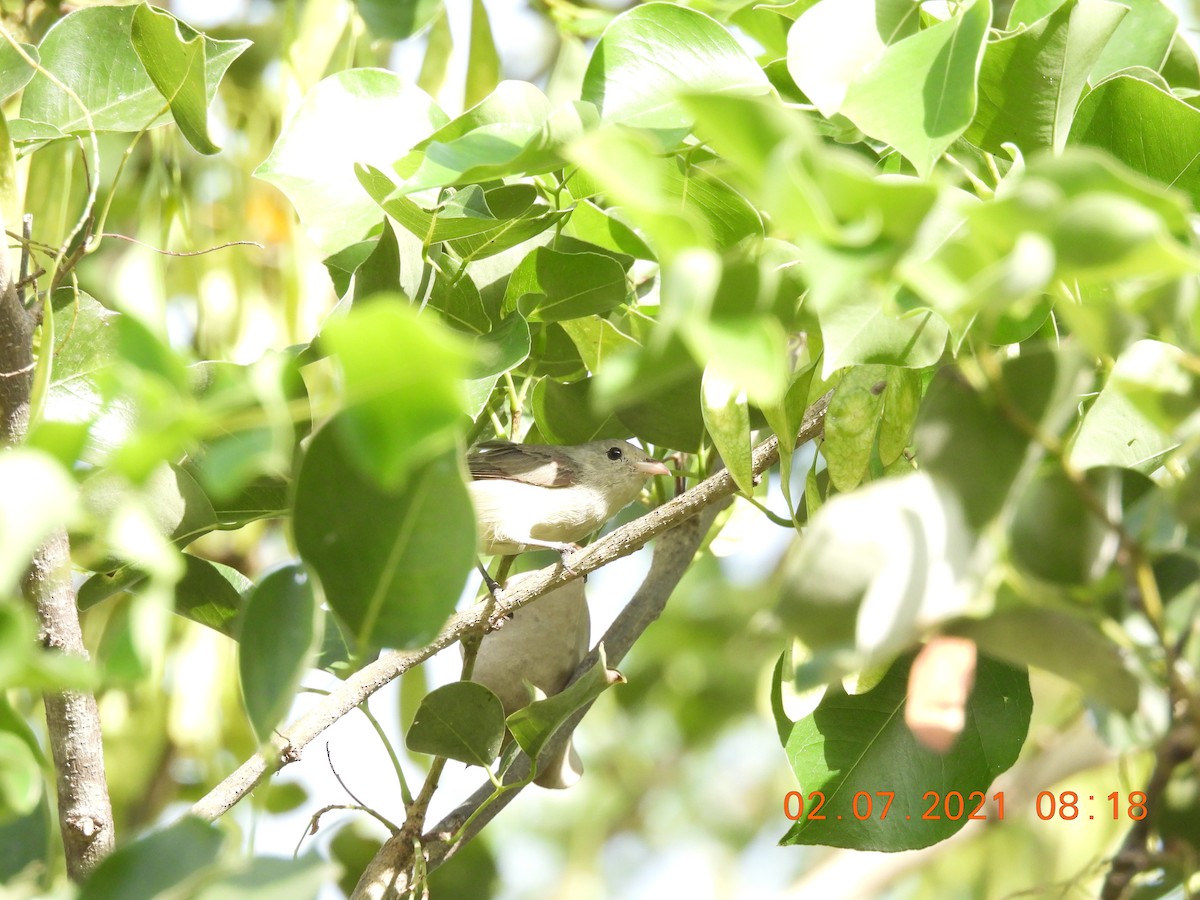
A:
(359, 686)
(72, 719)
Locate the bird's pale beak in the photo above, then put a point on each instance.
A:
(652, 467)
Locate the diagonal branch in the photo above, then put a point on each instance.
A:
(355, 689)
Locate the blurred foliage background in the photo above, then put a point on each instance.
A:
(686, 781)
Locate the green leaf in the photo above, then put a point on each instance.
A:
(176, 503)
(403, 381)
(1116, 430)
(210, 593)
(438, 48)
(858, 331)
(830, 46)
(483, 67)
(549, 286)
(851, 743)
(379, 273)
(85, 348)
(279, 633)
(90, 53)
(597, 339)
(564, 413)
(270, 878)
(459, 303)
(15, 72)
(958, 426)
(940, 66)
(391, 563)
(1054, 535)
(1145, 128)
(20, 778)
(513, 131)
(534, 725)
(395, 21)
(312, 162)
(38, 497)
(588, 222)
(851, 423)
(461, 720)
(651, 54)
(1143, 39)
(466, 219)
(176, 66)
(901, 403)
(1031, 80)
(882, 564)
(727, 418)
(151, 865)
(1035, 636)
(502, 349)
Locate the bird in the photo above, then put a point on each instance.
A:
(530, 496)
(540, 646)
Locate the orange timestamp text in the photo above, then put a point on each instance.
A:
(973, 805)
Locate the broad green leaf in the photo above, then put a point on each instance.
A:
(958, 426)
(651, 54)
(210, 593)
(1104, 236)
(177, 504)
(395, 20)
(564, 413)
(1119, 431)
(26, 841)
(459, 303)
(1035, 636)
(176, 66)
(1031, 80)
(20, 778)
(279, 633)
(675, 204)
(596, 339)
(313, 162)
(90, 52)
(859, 331)
(467, 219)
(379, 273)
(504, 348)
(534, 725)
(1147, 129)
(588, 222)
(627, 166)
(1054, 535)
(438, 48)
(270, 878)
(391, 563)
(150, 866)
(830, 46)
(901, 402)
(513, 131)
(36, 496)
(940, 66)
(403, 382)
(785, 418)
(1143, 39)
(727, 418)
(85, 336)
(549, 286)
(461, 720)
(483, 66)
(851, 423)
(890, 557)
(15, 72)
(850, 744)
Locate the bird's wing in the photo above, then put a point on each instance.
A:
(530, 463)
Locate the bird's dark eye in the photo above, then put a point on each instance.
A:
(615, 453)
